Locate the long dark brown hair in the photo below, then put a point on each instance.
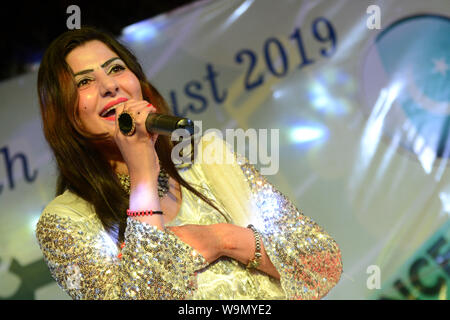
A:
(82, 168)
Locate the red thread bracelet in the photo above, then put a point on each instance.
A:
(132, 213)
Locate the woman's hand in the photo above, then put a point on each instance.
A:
(138, 150)
(205, 239)
(139, 154)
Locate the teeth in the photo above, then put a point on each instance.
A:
(108, 110)
(112, 108)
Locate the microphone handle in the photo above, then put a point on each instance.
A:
(164, 124)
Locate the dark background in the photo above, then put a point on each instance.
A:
(28, 27)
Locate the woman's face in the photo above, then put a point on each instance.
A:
(103, 80)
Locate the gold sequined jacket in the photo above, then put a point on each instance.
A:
(87, 264)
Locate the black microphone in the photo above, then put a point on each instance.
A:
(164, 124)
(157, 123)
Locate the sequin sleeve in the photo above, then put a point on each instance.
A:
(86, 264)
(307, 258)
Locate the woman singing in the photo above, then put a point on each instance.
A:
(127, 223)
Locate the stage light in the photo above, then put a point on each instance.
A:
(141, 31)
(308, 133)
(321, 100)
(238, 12)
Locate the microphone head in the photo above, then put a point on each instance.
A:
(165, 124)
(186, 124)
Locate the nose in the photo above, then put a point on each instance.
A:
(108, 85)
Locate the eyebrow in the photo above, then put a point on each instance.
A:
(91, 70)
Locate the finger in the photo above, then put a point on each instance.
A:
(154, 137)
(141, 111)
(119, 110)
(132, 104)
(152, 108)
(136, 108)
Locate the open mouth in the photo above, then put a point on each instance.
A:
(110, 113)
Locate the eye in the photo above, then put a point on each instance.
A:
(83, 82)
(116, 68)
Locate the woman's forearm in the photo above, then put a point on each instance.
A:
(144, 196)
(239, 243)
